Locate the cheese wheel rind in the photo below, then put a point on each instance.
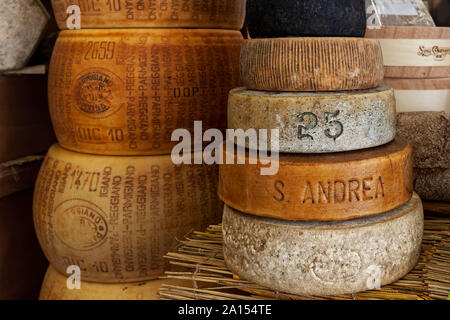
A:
(429, 135)
(316, 122)
(22, 23)
(206, 14)
(124, 91)
(421, 95)
(116, 217)
(54, 287)
(311, 64)
(324, 258)
(323, 187)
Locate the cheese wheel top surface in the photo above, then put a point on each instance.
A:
(311, 64)
(116, 217)
(227, 14)
(321, 187)
(124, 92)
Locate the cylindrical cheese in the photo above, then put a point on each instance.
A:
(429, 135)
(416, 95)
(54, 287)
(414, 52)
(22, 23)
(316, 122)
(224, 14)
(318, 18)
(324, 258)
(123, 92)
(116, 217)
(322, 187)
(311, 64)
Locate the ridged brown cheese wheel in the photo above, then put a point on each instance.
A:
(311, 64)
(318, 18)
(213, 14)
(116, 217)
(324, 258)
(316, 122)
(421, 95)
(324, 187)
(123, 92)
(414, 52)
(54, 287)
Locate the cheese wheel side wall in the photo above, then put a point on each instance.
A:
(311, 64)
(316, 122)
(123, 92)
(54, 287)
(116, 217)
(225, 14)
(322, 187)
(414, 52)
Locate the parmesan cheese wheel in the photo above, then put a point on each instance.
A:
(414, 52)
(311, 64)
(324, 258)
(116, 217)
(22, 23)
(320, 187)
(417, 95)
(224, 14)
(316, 122)
(54, 287)
(123, 92)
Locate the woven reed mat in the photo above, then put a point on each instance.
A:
(199, 261)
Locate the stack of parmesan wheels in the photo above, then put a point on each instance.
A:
(109, 202)
(417, 66)
(340, 216)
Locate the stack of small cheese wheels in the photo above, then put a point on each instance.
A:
(340, 216)
(417, 66)
(109, 200)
